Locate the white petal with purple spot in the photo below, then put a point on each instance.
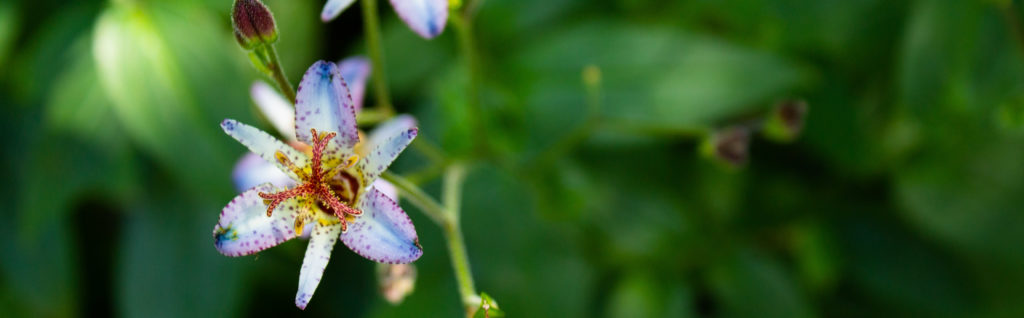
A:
(426, 17)
(383, 153)
(323, 103)
(387, 189)
(244, 227)
(252, 170)
(275, 108)
(383, 233)
(264, 145)
(318, 253)
(387, 129)
(355, 70)
(333, 8)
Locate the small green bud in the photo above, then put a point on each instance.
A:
(254, 24)
(488, 308)
(729, 145)
(592, 76)
(786, 121)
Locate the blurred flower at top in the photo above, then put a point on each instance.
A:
(425, 17)
(333, 177)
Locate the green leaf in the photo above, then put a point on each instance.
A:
(907, 276)
(655, 80)
(10, 24)
(641, 294)
(141, 74)
(962, 187)
(162, 273)
(750, 285)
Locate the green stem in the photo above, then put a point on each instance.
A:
(373, 44)
(371, 116)
(428, 173)
(452, 192)
(447, 217)
(278, 74)
(429, 150)
(464, 29)
(417, 197)
(460, 263)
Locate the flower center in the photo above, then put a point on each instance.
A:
(314, 187)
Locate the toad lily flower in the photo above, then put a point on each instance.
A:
(425, 17)
(252, 170)
(333, 187)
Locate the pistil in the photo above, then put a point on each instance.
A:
(316, 185)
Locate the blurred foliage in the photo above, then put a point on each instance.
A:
(903, 196)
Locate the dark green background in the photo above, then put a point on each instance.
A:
(903, 197)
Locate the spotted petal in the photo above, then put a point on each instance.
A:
(387, 189)
(275, 108)
(252, 170)
(383, 153)
(383, 233)
(244, 227)
(323, 103)
(425, 17)
(264, 145)
(355, 70)
(318, 252)
(333, 8)
(387, 129)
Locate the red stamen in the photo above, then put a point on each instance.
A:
(315, 185)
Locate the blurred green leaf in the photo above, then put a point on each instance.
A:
(144, 80)
(747, 284)
(655, 79)
(40, 271)
(168, 266)
(638, 294)
(815, 251)
(963, 185)
(79, 107)
(45, 55)
(10, 25)
(906, 275)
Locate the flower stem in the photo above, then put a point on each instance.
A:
(278, 74)
(371, 26)
(447, 217)
(453, 178)
(417, 197)
(463, 23)
(460, 263)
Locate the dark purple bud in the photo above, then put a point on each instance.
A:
(730, 145)
(254, 24)
(786, 121)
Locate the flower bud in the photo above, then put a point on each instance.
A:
(786, 121)
(396, 281)
(729, 145)
(253, 23)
